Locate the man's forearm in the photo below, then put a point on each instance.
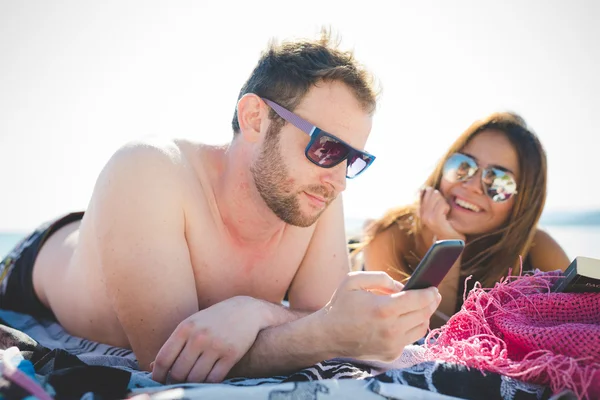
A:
(286, 348)
(278, 314)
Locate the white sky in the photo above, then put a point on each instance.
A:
(80, 78)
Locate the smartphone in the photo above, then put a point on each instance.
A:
(435, 265)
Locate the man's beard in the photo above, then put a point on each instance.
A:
(271, 179)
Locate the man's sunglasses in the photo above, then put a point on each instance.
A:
(498, 184)
(325, 149)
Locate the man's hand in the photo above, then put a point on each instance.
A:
(434, 211)
(368, 324)
(205, 346)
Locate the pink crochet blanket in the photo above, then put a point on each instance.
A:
(522, 330)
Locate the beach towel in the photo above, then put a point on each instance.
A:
(81, 369)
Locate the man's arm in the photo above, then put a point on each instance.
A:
(325, 264)
(356, 323)
(277, 314)
(137, 210)
(285, 348)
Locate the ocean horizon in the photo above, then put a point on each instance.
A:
(575, 239)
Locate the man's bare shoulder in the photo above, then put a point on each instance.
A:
(153, 170)
(163, 172)
(142, 153)
(159, 159)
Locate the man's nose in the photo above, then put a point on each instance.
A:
(336, 177)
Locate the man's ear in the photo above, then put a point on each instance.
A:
(250, 112)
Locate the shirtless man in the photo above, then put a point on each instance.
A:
(187, 250)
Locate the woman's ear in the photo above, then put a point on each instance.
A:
(250, 112)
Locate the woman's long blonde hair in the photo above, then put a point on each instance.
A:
(488, 257)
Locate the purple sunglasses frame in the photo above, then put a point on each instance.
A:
(314, 132)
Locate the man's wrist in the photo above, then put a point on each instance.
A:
(259, 308)
(265, 313)
(269, 314)
(316, 327)
(303, 341)
(323, 337)
(323, 323)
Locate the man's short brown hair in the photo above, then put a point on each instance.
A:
(286, 71)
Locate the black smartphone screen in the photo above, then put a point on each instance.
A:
(435, 265)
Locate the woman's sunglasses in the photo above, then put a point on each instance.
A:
(325, 149)
(499, 185)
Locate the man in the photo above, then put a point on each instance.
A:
(186, 250)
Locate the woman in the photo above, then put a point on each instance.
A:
(488, 190)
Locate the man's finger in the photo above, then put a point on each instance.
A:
(372, 281)
(220, 370)
(412, 320)
(166, 357)
(413, 300)
(417, 332)
(398, 287)
(186, 360)
(203, 366)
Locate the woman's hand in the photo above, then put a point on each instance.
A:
(434, 211)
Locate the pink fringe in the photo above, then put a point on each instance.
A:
(522, 330)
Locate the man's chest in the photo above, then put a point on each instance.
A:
(222, 271)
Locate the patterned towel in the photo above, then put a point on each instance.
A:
(406, 377)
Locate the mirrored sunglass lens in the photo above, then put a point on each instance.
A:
(327, 151)
(356, 164)
(500, 185)
(459, 167)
